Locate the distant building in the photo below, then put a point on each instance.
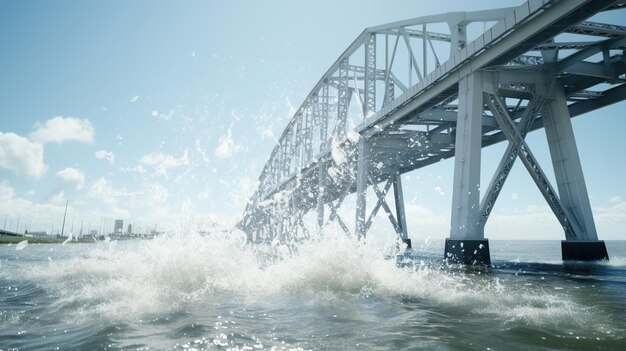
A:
(93, 232)
(37, 233)
(130, 229)
(119, 226)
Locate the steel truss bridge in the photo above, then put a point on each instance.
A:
(424, 92)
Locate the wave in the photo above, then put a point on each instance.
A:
(134, 280)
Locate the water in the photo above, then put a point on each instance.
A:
(192, 292)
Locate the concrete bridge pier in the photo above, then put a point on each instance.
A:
(570, 204)
(467, 243)
(583, 244)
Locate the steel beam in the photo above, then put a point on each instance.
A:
(385, 206)
(321, 183)
(343, 100)
(381, 198)
(399, 202)
(507, 161)
(369, 100)
(324, 118)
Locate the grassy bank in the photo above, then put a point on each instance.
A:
(40, 240)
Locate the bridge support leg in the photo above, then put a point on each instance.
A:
(584, 246)
(400, 213)
(321, 176)
(467, 243)
(361, 189)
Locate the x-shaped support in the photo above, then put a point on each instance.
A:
(334, 206)
(501, 114)
(508, 159)
(301, 225)
(381, 194)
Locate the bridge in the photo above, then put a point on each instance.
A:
(408, 94)
(4, 232)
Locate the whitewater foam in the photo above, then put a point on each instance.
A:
(135, 280)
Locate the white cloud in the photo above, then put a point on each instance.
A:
(137, 169)
(103, 190)
(611, 220)
(106, 155)
(6, 192)
(117, 212)
(162, 162)
(40, 213)
(61, 129)
(226, 146)
(71, 178)
(58, 198)
(146, 198)
(21, 156)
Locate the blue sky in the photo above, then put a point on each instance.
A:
(152, 111)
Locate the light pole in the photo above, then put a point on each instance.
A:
(64, 214)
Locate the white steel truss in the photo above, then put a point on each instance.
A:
(424, 95)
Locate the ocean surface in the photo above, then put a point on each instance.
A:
(188, 292)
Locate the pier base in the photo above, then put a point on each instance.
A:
(575, 250)
(471, 252)
(408, 243)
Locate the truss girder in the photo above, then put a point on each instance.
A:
(523, 39)
(369, 102)
(598, 29)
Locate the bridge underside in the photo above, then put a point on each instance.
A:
(538, 66)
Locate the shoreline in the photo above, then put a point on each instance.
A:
(41, 240)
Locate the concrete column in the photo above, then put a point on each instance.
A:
(466, 243)
(570, 180)
(466, 195)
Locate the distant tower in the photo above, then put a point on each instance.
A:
(119, 226)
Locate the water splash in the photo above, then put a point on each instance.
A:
(21, 245)
(135, 280)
